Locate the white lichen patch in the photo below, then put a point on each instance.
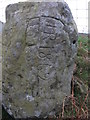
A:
(9, 111)
(30, 98)
(37, 113)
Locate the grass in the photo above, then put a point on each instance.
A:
(82, 61)
(76, 105)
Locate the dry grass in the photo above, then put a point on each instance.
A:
(76, 106)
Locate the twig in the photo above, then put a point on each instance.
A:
(82, 106)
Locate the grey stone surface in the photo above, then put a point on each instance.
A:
(39, 48)
(1, 27)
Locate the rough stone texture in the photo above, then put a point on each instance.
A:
(1, 26)
(39, 48)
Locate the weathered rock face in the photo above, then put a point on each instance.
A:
(1, 24)
(39, 48)
(1, 27)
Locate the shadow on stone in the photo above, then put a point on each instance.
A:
(5, 115)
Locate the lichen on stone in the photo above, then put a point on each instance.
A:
(39, 48)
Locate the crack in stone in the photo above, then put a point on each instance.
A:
(54, 18)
